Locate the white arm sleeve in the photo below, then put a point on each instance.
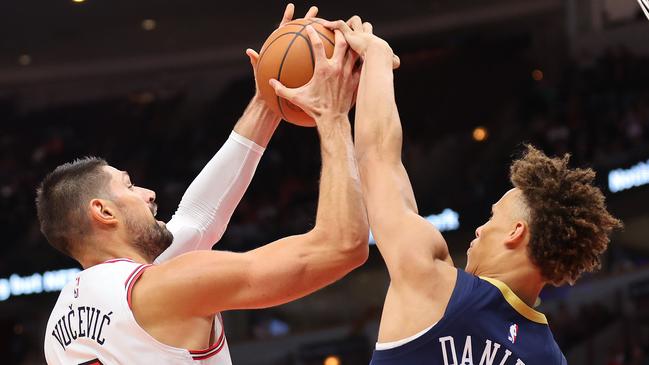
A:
(208, 204)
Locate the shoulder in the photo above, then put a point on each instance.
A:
(112, 268)
(172, 285)
(467, 290)
(108, 281)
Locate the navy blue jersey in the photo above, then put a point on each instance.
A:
(485, 323)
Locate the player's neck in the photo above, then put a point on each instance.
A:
(102, 249)
(525, 281)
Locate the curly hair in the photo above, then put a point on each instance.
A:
(569, 223)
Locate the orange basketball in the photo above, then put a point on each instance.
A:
(287, 56)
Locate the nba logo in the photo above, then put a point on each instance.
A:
(513, 332)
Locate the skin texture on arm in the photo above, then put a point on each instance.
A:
(170, 299)
(258, 123)
(209, 202)
(416, 254)
(288, 268)
(387, 190)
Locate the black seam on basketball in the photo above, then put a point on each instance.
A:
(333, 43)
(322, 35)
(308, 42)
(325, 37)
(261, 56)
(281, 65)
(283, 34)
(267, 47)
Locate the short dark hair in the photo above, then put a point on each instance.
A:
(62, 197)
(569, 223)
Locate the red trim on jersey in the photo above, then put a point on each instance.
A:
(132, 279)
(212, 350)
(92, 362)
(131, 276)
(196, 354)
(116, 260)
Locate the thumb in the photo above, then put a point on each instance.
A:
(396, 62)
(254, 57)
(281, 90)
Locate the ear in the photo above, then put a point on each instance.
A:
(517, 235)
(103, 212)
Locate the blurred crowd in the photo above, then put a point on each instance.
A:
(598, 111)
(570, 330)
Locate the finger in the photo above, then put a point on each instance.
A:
(340, 47)
(281, 90)
(355, 80)
(338, 24)
(355, 23)
(313, 11)
(316, 43)
(329, 24)
(368, 28)
(396, 62)
(288, 14)
(254, 56)
(351, 58)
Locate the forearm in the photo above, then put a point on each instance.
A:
(377, 125)
(210, 200)
(258, 122)
(340, 205)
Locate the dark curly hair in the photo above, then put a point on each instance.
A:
(569, 223)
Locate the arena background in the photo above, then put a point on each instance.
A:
(156, 86)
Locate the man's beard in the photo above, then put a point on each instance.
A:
(150, 239)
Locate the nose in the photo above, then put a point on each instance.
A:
(477, 231)
(148, 195)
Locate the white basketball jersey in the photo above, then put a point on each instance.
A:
(92, 324)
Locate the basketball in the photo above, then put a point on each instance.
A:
(287, 56)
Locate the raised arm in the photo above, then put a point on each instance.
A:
(208, 204)
(283, 270)
(406, 240)
(415, 253)
(202, 283)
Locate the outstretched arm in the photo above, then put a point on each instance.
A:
(404, 238)
(202, 283)
(414, 251)
(208, 204)
(281, 271)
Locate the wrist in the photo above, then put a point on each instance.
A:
(258, 122)
(258, 101)
(332, 118)
(332, 122)
(379, 47)
(260, 107)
